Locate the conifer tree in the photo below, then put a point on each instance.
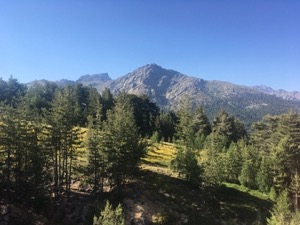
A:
(281, 214)
(121, 142)
(223, 126)
(107, 101)
(201, 126)
(263, 177)
(295, 188)
(185, 161)
(201, 123)
(249, 167)
(233, 162)
(96, 161)
(63, 138)
(110, 216)
(165, 125)
(7, 143)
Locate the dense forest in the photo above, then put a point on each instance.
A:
(52, 137)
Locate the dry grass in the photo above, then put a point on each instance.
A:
(161, 153)
(158, 159)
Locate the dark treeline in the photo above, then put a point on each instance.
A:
(44, 129)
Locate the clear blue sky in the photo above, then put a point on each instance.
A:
(245, 42)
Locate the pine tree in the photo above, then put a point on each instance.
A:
(233, 162)
(63, 138)
(295, 188)
(110, 216)
(7, 143)
(165, 125)
(295, 218)
(201, 122)
(249, 167)
(107, 101)
(214, 169)
(186, 164)
(186, 157)
(23, 156)
(96, 161)
(223, 125)
(201, 126)
(281, 214)
(185, 129)
(263, 177)
(145, 113)
(121, 142)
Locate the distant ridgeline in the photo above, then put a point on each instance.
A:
(167, 87)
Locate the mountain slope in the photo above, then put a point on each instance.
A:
(167, 87)
(161, 85)
(294, 95)
(94, 79)
(98, 81)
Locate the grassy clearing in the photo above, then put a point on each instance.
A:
(228, 204)
(158, 159)
(160, 154)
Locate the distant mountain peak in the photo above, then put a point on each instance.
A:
(103, 77)
(149, 69)
(151, 66)
(152, 73)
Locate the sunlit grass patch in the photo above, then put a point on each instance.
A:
(158, 158)
(160, 154)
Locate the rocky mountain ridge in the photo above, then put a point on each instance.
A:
(152, 79)
(293, 95)
(167, 87)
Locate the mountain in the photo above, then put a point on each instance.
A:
(167, 87)
(294, 95)
(62, 82)
(94, 80)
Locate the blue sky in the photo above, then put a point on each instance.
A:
(250, 42)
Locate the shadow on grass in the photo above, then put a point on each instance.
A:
(161, 154)
(205, 205)
(244, 206)
(157, 164)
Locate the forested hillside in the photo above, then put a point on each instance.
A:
(69, 155)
